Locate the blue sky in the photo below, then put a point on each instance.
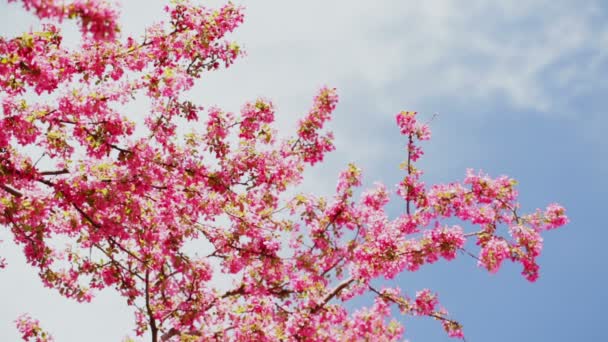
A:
(519, 89)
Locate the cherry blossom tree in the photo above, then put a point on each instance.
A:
(129, 195)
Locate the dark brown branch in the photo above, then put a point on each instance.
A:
(434, 315)
(54, 172)
(174, 332)
(470, 254)
(117, 263)
(11, 191)
(409, 171)
(332, 294)
(152, 320)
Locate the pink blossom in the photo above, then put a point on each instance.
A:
(555, 216)
(30, 329)
(493, 253)
(425, 302)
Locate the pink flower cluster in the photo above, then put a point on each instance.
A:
(313, 144)
(31, 331)
(97, 17)
(425, 303)
(555, 216)
(493, 253)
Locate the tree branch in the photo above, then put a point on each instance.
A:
(11, 191)
(333, 293)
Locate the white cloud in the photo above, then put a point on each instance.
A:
(429, 48)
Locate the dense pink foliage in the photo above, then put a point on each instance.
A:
(131, 196)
